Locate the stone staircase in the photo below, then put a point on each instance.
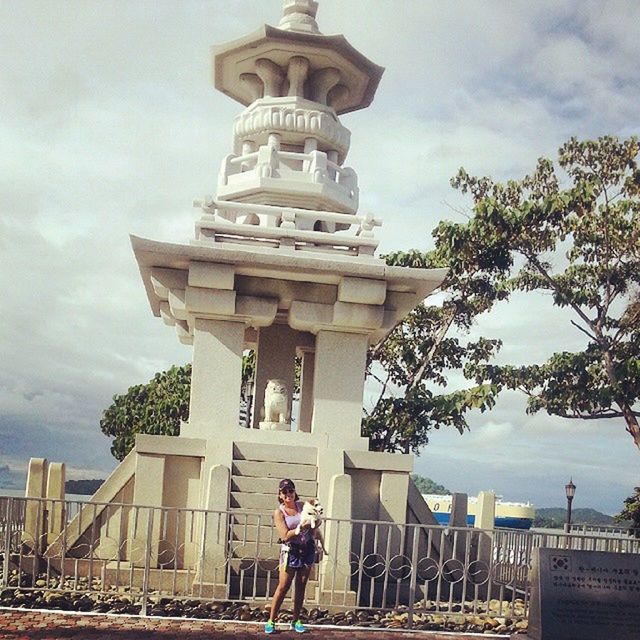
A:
(255, 474)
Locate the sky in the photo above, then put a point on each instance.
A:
(109, 126)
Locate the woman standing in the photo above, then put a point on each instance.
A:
(297, 555)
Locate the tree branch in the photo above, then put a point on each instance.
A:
(589, 335)
(449, 315)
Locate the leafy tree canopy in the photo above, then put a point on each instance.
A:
(631, 511)
(427, 485)
(576, 237)
(418, 356)
(156, 408)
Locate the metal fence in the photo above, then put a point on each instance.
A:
(137, 558)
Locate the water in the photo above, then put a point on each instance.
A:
(19, 493)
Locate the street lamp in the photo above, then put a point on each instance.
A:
(570, 490)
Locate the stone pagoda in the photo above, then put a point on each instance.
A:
(281, 263)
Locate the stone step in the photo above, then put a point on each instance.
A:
(275, 470)
(249, 533)
(250, 550)
(261, 501)
(305, 488)
(260, 452)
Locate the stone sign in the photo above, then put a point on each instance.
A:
(584, 595)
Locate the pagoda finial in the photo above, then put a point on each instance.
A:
(299, 15)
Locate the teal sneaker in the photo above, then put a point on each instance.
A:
(269, 627)
(298, 627)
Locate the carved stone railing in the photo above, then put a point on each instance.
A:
(292, 115)
(279, 227)
(242, 177)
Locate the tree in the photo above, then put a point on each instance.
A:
(157, 407)
(420, 353)
(580, 243)
(427, 485)
(631, 511)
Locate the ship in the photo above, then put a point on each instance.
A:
(509, 515)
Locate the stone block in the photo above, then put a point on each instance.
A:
(378, 460)
(308, 316)
(210, 302)
(357, 316)
(211, 275)
(163, 280)
(590, 595)
(170, 445)
(177, 303)
(362, 290)
(261, 311)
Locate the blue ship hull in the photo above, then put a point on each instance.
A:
(500, 522)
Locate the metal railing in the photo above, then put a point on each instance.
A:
(137, 556)
(606, 530)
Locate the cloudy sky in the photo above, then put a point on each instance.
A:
(109, 126)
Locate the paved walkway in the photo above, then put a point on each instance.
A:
(21, 624)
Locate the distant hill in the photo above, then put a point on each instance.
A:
(82, 487)
(555, 517)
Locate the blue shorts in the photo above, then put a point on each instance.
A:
(296, 556)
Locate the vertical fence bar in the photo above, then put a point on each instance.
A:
(7, 543)
(414, 575)
(147, 562)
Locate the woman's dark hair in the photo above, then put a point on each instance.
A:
(286, 484)
(281, 501)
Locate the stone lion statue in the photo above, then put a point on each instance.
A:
(276, 401)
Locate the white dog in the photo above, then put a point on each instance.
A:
(276, 401)
(311, 514)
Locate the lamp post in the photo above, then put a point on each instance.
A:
(570, 490)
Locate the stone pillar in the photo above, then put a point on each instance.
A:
(55, 500)
(330, 465)
(394, 493)
(458, 519)
(214, 534)
(339, 383)
(216, 378)
(485, 519)
(32, 534)
(306, 391)
(143, 531)
(486, 510)
(335, 570)
(275, 359)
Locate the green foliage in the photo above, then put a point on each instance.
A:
(419, 354)
(580, 244)
(156, 408)
(82, 487)
(427, 485)
(631, 511)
